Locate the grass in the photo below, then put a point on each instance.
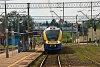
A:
(37, 61)
(91, 51)
(62, 59)
(1, 47)
(74, 54)
(10, 46)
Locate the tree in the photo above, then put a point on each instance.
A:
(47, 24)
(90, 23)
(65, 22)
(2, 25)
(98, 23)
(14, 18)
(66, 37)
(53, 21)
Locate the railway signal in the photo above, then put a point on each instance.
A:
(94, 27)
(78, 28)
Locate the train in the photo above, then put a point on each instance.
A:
(52, 37)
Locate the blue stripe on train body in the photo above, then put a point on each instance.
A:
(52, 47)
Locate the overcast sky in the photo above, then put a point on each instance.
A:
(42, 1)
(46, 12)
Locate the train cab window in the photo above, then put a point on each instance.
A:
(52, 34)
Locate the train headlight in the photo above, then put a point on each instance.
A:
(54, 45)
(59, 42)
(50, 45)
(46, 41)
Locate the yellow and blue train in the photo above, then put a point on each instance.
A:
(52, 37)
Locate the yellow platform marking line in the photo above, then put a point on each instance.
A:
(19, 60)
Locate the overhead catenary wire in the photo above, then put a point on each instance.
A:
(50, 8)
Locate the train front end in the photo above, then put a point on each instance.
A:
(52, 39)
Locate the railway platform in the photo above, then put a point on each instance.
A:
(22, 59)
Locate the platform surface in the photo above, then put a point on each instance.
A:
(22, 59)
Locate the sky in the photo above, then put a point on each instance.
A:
(42, 1)
(46, 12)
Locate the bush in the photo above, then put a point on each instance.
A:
(69, 41)
(64, 40)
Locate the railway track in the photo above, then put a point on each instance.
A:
(54, 62)
(93, 61)
(70, 56)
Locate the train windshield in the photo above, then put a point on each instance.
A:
(52, 34)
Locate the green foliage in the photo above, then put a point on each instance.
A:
(98, 24)
(13, 19)
(90, 23)
(47, 24)
(66, 37)
(53, 22)
(64, 40)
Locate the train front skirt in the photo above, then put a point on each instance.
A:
(52, 47)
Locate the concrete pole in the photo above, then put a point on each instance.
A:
(28, 24)
(83, 31)
(6, 30)
(77, 30)
(92, 21)
(63, 14)
(72, 33)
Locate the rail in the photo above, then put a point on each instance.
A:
(44, 60)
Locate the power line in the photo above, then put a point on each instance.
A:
(50, 5)
(50, 8)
